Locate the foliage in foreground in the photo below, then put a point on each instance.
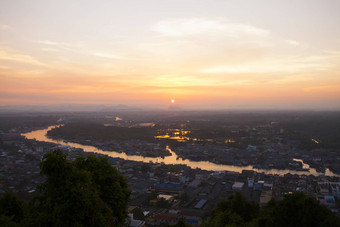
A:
(90, 192)
(296, 209)
(86, 192)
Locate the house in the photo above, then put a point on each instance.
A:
(237, 186)
(265, 197)
(335, 189)
(200, 204)
(324, 188)
(169, 188)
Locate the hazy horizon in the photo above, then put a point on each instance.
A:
(75, 107)
(205, 55)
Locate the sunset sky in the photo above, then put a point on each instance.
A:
(213, 54)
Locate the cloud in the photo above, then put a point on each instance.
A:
(110, 56)
(323, 88)
(4, 27)
(236, 69)
(50, 43)
(4, 67)
(293, 42)
(53, 46)
(8, 56)
(289, 64)
(197, 26)
(50, 49)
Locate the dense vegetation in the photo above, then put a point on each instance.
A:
(85, 192)
(299, 126)
(90, 192)
(99, 132)
(323, 128)
(296, 209)
(8, 122)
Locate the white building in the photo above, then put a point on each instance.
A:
(250, 182)
(335, 189)
(238, 186)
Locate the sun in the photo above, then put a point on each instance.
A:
(172, 100)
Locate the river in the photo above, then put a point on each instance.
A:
(40, 135)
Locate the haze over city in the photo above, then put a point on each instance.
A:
(200, 54)
(170, 113)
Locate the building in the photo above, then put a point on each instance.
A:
(237, 186)
(200, 204)
(265, 197)
(335, 189)
(324, 188)
(250, 182)
(169, 188)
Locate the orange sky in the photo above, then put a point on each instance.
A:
(203, 54)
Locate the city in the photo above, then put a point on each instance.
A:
(259, 160)
(173, 113)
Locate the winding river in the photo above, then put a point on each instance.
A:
(40, 135)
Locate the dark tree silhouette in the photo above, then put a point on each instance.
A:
(12, 209)
(86, 192)
(111, 185)
(296, 209)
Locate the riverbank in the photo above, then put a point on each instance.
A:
(172, 159)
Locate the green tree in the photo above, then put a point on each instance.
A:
(6, 221)
(226, 218)
(180, 223)
(76, 195)
(111, 185)
(296, 209)
(239, 205)
(138, 214)
(12, 209)
(234, 211)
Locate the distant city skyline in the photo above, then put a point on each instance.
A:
(252, 54)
